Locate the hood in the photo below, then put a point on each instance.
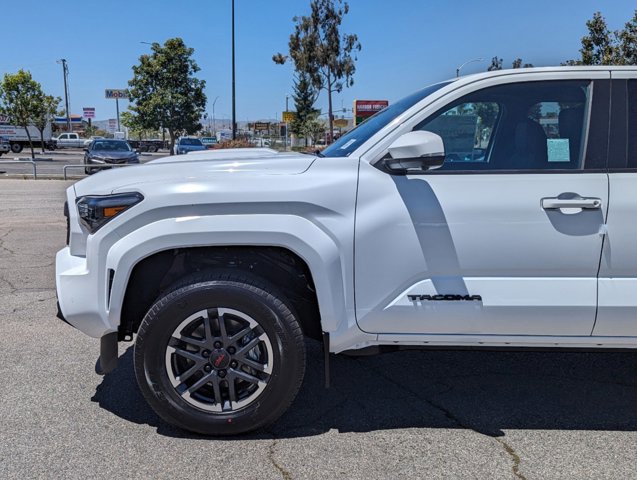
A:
(220, 154)
(111, 154)
(193, 169)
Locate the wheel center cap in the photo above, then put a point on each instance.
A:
(220, 359)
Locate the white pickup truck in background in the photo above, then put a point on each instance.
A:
(69, 140)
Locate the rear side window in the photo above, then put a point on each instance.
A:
(523, 126)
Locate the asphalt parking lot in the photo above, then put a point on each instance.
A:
(412, 414)
(50, 164)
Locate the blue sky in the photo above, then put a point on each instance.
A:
(406, 43)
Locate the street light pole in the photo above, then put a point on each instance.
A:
(234, 109)
(467, 63)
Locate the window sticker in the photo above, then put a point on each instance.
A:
(348, 144)
(558, 150)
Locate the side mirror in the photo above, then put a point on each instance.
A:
(86, 149)
(415, 152)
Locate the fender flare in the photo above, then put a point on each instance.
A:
(301, 236)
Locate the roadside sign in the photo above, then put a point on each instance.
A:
(261, 126)
(288, 117)
(63, 120)
(88, 112)
(116, 94)
(112, 124)
(341, 123)
(364, 109)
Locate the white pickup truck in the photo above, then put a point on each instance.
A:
(491, 211)
(69, 140)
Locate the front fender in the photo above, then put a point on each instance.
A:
(313, 244)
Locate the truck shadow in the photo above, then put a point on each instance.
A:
(487, 392)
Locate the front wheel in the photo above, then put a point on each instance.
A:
(221, 354)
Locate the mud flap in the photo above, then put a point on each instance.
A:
(326, 358)
(107, 360)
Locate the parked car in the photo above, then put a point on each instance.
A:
(187, 144)
(386, 240)
(90, 139)
(108, 151)
(69, 140)
(5, 145)
(209, 142)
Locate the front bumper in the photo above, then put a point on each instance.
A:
(77, 295)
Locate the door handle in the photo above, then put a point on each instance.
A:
(555, 203)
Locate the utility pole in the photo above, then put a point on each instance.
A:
(65, 72)
(214, 122)
(287, 126)
(234, 109)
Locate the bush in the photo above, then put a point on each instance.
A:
(238, 143)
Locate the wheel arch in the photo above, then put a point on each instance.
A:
(142, 263)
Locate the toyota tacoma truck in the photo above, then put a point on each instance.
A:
(491, 211)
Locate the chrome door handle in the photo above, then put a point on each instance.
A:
(557, 203)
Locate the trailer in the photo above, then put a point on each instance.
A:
(18, 139)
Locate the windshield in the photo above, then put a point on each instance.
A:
(190, 141)
(355, 138)
(111, 146)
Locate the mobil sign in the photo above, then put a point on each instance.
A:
(364, 109)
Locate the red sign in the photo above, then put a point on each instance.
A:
(363, 109)
(367, 108)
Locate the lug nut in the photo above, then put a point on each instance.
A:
(222, 373)
(233, 364)
(207, 368)
(231, 350)
(205, 353)
(217, 344)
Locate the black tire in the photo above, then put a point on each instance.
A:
(152, 149)
(218, 293)
(16, 147)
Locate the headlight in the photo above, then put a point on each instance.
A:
(95, 211)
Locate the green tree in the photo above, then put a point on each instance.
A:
(627, 41)
(318, 49)
(165, 92)
(135, 131)
(517, 63)
(314, 128)
(304, 96)
(496, 64)
(18, 98)
(90, 131)
(599, 47)
(45, 109)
